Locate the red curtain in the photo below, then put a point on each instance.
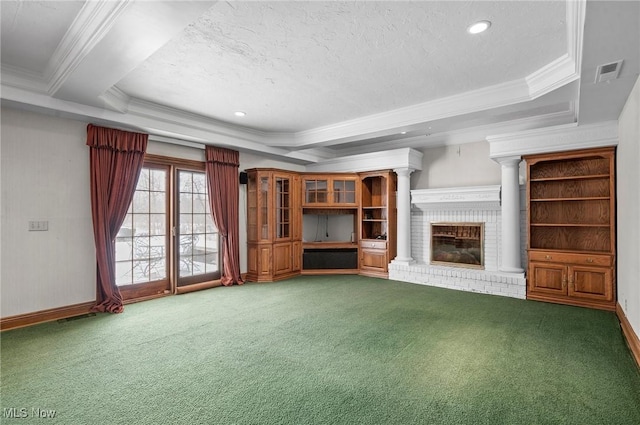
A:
(222, 180)
(116, 159)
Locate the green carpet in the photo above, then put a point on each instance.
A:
(324, 350)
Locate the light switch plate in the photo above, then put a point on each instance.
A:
(38, 226)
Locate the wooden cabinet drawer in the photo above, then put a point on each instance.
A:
(373, 244)
(563, 257)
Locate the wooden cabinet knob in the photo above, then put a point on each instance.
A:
(547, 257)
(589, 260)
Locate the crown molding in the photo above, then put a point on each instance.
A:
(116, 100)
(471, 134)
(391, 159)
(552, 76)
(566, 68)
(92, 23)
(22, 78)
(160, 124)
(576, 12)
(386, 123)
(554, 139)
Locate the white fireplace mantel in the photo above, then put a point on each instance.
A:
(477, 197)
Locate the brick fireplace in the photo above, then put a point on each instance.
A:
(458, 211)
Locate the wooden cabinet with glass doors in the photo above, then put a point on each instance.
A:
(274, 234)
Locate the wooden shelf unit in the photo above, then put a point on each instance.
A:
(377, 229)
(277, 200)
(571, 227)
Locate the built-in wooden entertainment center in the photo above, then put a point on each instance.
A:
(319, 223)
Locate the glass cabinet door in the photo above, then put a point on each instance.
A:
(263, 200)
(283, 207)
(316, 191)
(252, 208)
(344, 191)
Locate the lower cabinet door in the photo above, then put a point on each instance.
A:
(547, 278)
(282, 258)
(591, 282)
(374, 259)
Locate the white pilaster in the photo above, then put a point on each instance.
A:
(510, 261)
(403, 207)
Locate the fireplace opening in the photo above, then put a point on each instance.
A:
(457, 244)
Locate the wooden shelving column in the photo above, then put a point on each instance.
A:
(377, 230)
(571, 228)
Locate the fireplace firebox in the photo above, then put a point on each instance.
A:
(458, 244)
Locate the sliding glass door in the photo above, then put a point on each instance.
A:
(168, 238)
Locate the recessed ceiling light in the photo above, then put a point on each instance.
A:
(403, 132)
(239, 114)
(478, 27)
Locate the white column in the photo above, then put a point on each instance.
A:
(510, 261)
(403, 207)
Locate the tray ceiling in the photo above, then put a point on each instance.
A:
(315, 79)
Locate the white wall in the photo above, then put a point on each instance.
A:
(327, 227)
(628, 208)
(457, 166)
(45, 176)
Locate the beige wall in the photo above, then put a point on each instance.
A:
(628, 209)
(456, 166)
(45, 176)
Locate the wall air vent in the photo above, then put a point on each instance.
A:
(608, 72)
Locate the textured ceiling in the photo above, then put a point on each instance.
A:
(293, 66)
(319, 79)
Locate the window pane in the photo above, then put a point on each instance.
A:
(199, 183)
(127, 226)
(141, 224)
(199, 225)
(141, 202)
(185, 203)
(186, 224)
(124, 249)
(157, 224)
(158, 202)
(158, 180)
(185, 182)
(199, 203)
(143, 180)
(124, 273)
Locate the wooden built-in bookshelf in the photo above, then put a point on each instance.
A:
(571, 227)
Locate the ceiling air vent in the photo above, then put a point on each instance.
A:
(608, 72)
